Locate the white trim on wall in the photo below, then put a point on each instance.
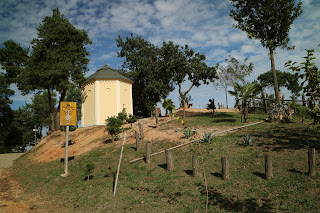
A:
(96, 102)
(118, 96)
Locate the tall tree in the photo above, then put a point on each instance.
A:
(6, 115)
(58, 60)
(188, 65)
(144, 65)
(233, 71)
(285, 79)
(268, 21)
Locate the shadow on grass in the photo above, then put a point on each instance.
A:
(217, 174)
(231, 205)
(259, 174)
(278, 137)
(164, 166)
(189, 172)
(297, 172)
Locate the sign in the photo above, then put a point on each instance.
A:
(68, 113)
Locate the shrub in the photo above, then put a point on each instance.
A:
(122, 115)
(131, 119)
(89, 168)
(188, 132)
(114, 126)
(247, 140)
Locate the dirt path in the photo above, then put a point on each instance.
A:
(6, 160)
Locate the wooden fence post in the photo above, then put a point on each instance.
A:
(169, 160)
(265, 101)
(148, 152)
(141, 130)
(312, 162)
(268, 167)
(195, 166)
(156, 115)
(225, 168)
(137, 140)
(254, 104)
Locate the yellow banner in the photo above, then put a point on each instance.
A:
(68, 113)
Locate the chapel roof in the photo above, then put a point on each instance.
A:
(106, 72)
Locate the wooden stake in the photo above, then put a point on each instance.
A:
(225, 168)
(169, 160)
(184, 144)
(148, 152)
(195, 166)
(157, 115)
(118, 170)
(137, 140)
(312, 162)
(141, 130)
(268, 167)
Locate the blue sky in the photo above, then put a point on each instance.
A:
(204, 25)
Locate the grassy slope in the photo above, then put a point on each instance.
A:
(150, 188)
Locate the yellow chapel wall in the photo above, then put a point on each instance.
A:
(126, 97)
(88, 104)
(107, 100)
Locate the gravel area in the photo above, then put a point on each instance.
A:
(6, 160)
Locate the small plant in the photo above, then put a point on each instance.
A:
(207, 137)
(176, 130)
(131, 119)
(188, 132)
(89, 168)
(114, 126)
(247, 140)
(122, 115)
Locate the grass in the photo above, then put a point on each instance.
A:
(151, 188)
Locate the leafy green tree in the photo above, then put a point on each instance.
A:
(211, 105)
(234, 71)
(13, 58)
(6, 115)
(245, 92)
(131, 119)
(185, 64)
(285, 79)
(144, 65)
(58, 60)
(114, 126)
(169, 106)
(310, 74)
(268, 21)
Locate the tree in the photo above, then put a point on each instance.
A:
(169, 106)
(188, 65)
(13, 58)
(211, 105)
(310, 77)
(144, 65)
(114, 126)
(268, 21)
(6, 115)
(131, 119)
(245, 92)
(234, 71)
(58, 60)
(285, 79)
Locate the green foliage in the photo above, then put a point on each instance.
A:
(285, 79)
(268, 21)
(168, 105)
(188, 132)
(151, 76)
(211, 105)
(310, 77)
(122, 115)
(89, 169)
(131, 119)
(247, 140)
(114, 126)
(207, 137)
